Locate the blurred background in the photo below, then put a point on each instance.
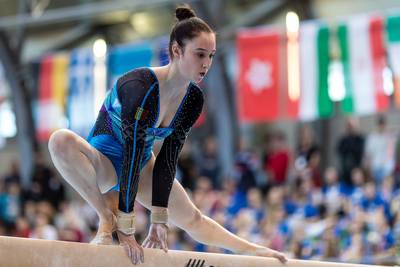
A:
(297, 147)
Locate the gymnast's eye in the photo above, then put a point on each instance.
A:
(201, 55)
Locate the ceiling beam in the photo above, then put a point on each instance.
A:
(80, 12)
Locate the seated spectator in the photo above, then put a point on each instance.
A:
(372, 200)
(388, 188)
(209, 162)
(43, 229)
(12, 203)
(306, 143)
(313, 166)
(274, 230)
(277, 159)
(245, 168)
(22, 228)
(358, 180)
(255, 204)
(13, 176)
(355, 251)
(332, 191)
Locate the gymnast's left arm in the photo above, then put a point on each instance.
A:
(165, 168)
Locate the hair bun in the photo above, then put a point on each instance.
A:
(184, 12)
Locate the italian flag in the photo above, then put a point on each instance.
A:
(393, 38)
(314, 99)
(363, 55)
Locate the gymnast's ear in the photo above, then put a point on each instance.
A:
(176, 50)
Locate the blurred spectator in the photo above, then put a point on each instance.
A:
(372, 200)
(34, 192)
(354, 252)
(306, 143)
(209, 163)
(3, 202)
(204, 196)
(43, 229)
(388, 188)
(22, 228)
(332, 191)
(29, 208)
(245, 169)
(255, 203)
(380, 151)
(41, 172)
(396, 171)
(3, 229)
(313, 166)
(12, 203)
(232, 199)
(350, 148)
(330, 248)
(13, 176)
(276, 158)
(245, 224)
(174, 241)
(187, 172)
(45, 183)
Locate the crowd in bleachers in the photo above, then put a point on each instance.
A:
(276, 196)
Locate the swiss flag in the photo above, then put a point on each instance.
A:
(259, 72)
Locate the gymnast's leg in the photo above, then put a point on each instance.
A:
(203, 229)
(85, 168)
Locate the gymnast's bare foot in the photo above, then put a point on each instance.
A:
(104, 233)
(267, 252)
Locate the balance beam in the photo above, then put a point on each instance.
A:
(20, 252)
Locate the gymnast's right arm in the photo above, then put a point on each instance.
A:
(131, 95)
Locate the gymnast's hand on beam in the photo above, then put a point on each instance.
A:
(157, 237)
(132, 248)
(267, 252)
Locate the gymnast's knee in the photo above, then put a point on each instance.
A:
(192, 223)
(61, 143)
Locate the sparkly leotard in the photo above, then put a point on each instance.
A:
(125, 131)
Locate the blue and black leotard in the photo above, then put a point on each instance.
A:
(125, 131)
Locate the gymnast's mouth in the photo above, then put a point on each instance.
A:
(202, 74)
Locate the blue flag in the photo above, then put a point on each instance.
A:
(80, 107)
(124, 58)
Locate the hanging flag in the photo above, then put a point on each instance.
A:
(53, 85)
(124, 58)
(314, 62)
(363, 55)
(259, 72)
(81, 99)
(393, 38)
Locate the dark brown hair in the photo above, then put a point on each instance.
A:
(187, 27)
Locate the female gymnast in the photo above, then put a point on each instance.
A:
(116, 165)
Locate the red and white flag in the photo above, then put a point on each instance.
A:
(259, 74)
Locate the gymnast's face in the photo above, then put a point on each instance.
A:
(195, 59)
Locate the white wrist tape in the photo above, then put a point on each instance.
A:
(159, 216)
(126, 222)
